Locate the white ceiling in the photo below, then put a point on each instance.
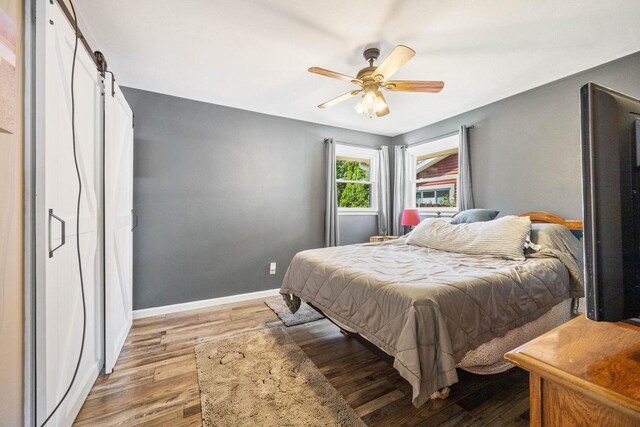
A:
(254, 55)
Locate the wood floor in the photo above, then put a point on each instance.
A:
(155, 383)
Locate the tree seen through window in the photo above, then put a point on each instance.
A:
(353, 194)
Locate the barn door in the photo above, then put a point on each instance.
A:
(118, 201)
(59, 315)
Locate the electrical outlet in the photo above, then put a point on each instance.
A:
(272, 268)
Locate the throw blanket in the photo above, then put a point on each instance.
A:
(428, 308)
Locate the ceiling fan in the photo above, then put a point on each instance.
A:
(371, 79)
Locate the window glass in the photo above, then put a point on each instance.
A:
(443, 198)
(351, 195)
(352, 169)
(434, 173)
(355, 178)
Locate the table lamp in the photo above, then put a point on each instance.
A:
(410, 217)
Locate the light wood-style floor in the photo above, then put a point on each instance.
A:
(155, 383)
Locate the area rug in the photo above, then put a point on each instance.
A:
(305, 313)
(263, 378)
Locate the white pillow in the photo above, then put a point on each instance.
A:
(503, 237)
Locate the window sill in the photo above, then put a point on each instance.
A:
(356, 212)
(433, 211)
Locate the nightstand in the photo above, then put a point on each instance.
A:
(583, 373)
(375, 239)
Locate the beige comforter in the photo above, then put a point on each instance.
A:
(425, 307)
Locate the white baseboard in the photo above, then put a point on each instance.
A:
(192, 305)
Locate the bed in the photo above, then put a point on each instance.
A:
(433, 311)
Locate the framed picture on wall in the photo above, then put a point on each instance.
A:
(8, 78)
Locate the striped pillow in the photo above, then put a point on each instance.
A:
(502, 238)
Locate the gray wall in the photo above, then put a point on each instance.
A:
(221, 192)
(525, 150)
(357, 229)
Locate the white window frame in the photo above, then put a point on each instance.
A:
(361, 153)
(415, 151)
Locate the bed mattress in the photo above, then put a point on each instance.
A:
(428, 308)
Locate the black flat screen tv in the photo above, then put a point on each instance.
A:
(611, 203)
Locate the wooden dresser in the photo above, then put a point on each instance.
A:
(583, 373)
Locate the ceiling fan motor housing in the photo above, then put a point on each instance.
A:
(366, 75)
(371, 54)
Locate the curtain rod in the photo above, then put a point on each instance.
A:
(355, 145)
(410, 145)
(439, 136)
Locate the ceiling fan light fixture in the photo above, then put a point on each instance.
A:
(370, 103)
(380, 104)
(369, 99)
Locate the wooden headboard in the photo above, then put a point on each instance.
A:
(549, 218)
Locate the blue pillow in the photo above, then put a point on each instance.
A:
(474, 215)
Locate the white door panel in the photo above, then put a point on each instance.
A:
(60, 313)
(118, 222)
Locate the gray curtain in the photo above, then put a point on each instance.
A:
(465, 191)
(383, 191)
(331, 228)
(399, 183)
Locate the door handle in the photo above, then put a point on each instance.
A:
(135, 217)
(62, 223)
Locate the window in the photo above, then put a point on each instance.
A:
(433, 175)
(356, 170)
(434, 195)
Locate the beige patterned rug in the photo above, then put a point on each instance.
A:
(305, 313)
(263, 378)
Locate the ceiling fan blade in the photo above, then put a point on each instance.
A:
(399, 56)
(413, 86)
(334, 75)
(339, 99)
(386, 109)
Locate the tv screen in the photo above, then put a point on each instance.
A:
(611, 202)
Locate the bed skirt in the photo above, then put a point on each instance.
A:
(488, 359)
